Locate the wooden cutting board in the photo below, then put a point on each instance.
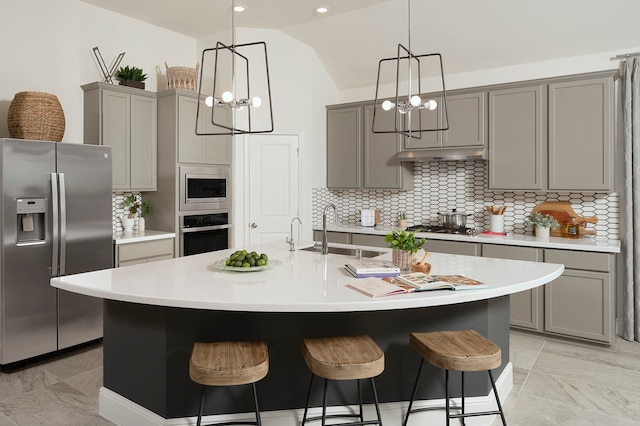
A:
(563, 212)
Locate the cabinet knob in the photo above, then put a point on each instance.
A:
(253, 225)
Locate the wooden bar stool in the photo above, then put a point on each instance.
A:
(343, 358)
(457, 351)
(229, 364)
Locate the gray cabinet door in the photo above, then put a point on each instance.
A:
(579, 304)
(116, 122)
(581, 135)
(381, 166)
(527, 307)
(344, 147)
(191, 147)
(144, 147)
(517, 139)
(467, 115)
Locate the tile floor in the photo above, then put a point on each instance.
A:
(555, 383)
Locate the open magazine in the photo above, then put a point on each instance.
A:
(420, 281)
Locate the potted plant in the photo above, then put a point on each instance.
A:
(132, 204)
(132, 77)
(145, 210)
(405, 245)
(402, 220)
(541, 223)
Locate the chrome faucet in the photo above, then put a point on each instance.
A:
(325, 245)
(292, 246)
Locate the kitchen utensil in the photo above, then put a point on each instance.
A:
(422, 266)
(453, 219)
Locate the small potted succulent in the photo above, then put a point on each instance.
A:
(541, 223)
(132, 204)
(132, 77)
(402, 220)
(405, 245)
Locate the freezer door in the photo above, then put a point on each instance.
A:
(27, 302)
(86, 235)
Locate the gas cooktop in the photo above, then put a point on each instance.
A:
(441, 229)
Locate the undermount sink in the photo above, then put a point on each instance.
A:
(344, 251)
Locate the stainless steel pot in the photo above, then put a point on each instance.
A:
(453, 219)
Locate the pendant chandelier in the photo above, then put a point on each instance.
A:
(406, 106)
(237, 97)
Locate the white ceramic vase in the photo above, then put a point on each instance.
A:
(542, 232)
(127, 223)
(141, 224)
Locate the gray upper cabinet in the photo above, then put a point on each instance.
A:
(359, 158)
(467, 119)
(199, 149)
(517, 138)
(124, 119)
(581, 135)
(556, 135)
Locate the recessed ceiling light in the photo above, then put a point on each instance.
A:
(322, 9)
(239, 8)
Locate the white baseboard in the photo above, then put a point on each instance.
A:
(123, 412)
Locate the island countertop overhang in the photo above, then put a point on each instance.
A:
(302, 282)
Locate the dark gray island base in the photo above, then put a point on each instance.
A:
(147, 350)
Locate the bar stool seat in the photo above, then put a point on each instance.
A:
(343, 358)
(462, 351)
(229, 364)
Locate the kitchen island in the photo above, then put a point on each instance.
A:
(154, 313)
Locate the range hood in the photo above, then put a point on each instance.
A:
(444, 154)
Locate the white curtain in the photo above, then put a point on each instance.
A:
(631, 219)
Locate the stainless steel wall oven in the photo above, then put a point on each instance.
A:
(202, 233)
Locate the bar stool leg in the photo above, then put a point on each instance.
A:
(495, 392)
(255, 403)
(360, 400)
(306, 406)
(463, 424)
(324, 403)
(375, 400)
(446, 394)
(413, 394)
(201, 404)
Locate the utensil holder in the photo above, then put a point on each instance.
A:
(496, 223)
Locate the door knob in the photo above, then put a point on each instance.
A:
(253, 225)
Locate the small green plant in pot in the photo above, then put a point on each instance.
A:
(405, 245)
(541, 223)
(133, 77)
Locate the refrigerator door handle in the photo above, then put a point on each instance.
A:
(54, 221)
(63, 224)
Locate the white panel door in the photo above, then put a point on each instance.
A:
(273, 186)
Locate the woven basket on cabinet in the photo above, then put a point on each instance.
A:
(184, 78)
(36, 115)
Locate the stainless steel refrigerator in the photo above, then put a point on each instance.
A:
(56, 220)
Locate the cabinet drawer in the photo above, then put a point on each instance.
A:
(131, 251)
(333, 237)
(453, 247)
(509, 252)
(579, 260)
(368, 240)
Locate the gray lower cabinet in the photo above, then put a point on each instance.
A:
(333, 237)
(368, 240)
(452, 247)
(527, 307)
(143, 252)
(555, 135)
(359, 158)
(467, 117)
(124, 119)
(580, 303)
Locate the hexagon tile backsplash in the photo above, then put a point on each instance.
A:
(462, 185)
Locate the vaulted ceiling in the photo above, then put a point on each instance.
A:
(355, 34)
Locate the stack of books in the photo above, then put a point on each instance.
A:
(373, 268)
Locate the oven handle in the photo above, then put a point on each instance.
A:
(203, 228)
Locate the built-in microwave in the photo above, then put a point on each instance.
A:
(204, 188)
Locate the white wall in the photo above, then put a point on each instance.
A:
(300, 88)
(46, 46)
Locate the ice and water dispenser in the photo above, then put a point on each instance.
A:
(31, 220)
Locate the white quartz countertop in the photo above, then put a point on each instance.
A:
(136, 237)
(581, 244)
(302, 281)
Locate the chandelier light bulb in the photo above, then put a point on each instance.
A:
(431, 105)
(415, 100)
(256, 102)
(209, 101)
(387, 105)
(227, 97)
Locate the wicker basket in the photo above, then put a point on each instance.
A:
(36, 115)
(183, 78)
